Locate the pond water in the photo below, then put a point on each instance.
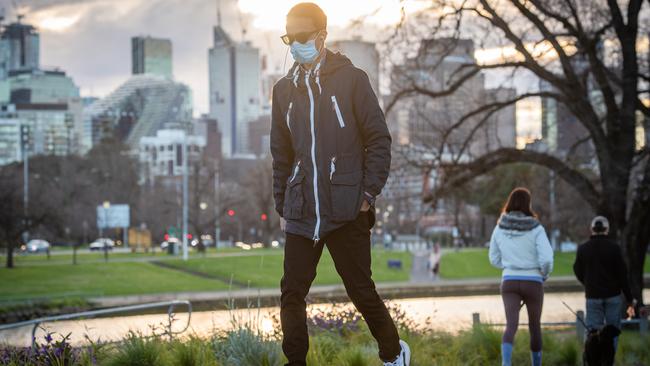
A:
(443, 313)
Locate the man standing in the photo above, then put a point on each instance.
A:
(331, 158)
(599, 266)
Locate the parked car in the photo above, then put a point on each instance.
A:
(101, 243)
(36, 246)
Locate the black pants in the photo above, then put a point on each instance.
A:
(531, 293)
(350, 250)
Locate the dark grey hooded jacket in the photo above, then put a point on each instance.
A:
(329, 142)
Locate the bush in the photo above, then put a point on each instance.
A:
(244, 347)
(136, 350)
(192, 352)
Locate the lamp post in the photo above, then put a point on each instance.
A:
(185, 213)
(25, 136)
(217, 205)
(107, 206)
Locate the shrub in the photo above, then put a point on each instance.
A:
(244, 347)
(192, 352)
(137, 350)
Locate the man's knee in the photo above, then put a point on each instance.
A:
(363, 296)
(294, 289)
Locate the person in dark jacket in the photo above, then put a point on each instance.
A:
(599, 266)
(331, 158)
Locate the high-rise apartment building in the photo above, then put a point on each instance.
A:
(19, 48)
(151, 56)
(234, 90)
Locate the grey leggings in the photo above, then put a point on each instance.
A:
(515, 294)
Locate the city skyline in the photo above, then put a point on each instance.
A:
(68, 27)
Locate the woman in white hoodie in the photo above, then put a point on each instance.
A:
(520, 247)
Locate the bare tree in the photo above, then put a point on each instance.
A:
(578, 48)
(260, 190)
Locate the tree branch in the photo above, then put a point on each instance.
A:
(459, 174)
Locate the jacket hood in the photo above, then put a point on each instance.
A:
(517, 221)
(331, 63)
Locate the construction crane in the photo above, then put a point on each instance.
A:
(244, 27)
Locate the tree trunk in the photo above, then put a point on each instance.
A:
(635, 244)
(10, 254)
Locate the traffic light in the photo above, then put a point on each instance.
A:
(264, 217)
(25, 136)
(231, 212)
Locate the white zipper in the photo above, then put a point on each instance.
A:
(295, 172)
(289, 116)
(313, 158)
(338, 111)
(332, 166)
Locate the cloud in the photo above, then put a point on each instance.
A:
(91, 39)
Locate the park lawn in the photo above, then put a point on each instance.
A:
(265, 270)
(100, 279)
(474, 263)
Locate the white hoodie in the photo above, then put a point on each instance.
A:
(520, 247)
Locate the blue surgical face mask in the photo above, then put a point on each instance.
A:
(304, 53)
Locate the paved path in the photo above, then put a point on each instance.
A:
(326, 293)
(420, 272)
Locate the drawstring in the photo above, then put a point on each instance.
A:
(296, 73)
(317, 72)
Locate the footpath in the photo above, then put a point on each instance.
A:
(335, 293)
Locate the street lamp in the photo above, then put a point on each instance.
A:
(107, 206)
(185, 184)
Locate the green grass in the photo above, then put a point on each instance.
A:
(265, 270)
(474, 263)
(259, 268)
(99, 279)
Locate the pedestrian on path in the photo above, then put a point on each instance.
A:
(600, 267)
(520, 247)
(434, 261)
(331, 158)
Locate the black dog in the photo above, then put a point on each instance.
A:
(599, 346)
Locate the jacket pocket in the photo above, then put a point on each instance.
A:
(346, 195)
(337, 110)
(294, 198)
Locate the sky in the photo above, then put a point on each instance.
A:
(90, 39)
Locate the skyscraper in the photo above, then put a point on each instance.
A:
(151, 56)
(234, 89)
(19, 48)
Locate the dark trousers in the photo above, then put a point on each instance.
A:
(515, 294)
(350, 250)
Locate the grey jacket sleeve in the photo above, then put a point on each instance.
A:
(375, 135)
(282, 152)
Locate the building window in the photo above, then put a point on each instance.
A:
(179, 155)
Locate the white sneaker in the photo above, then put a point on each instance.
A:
(404, 358)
